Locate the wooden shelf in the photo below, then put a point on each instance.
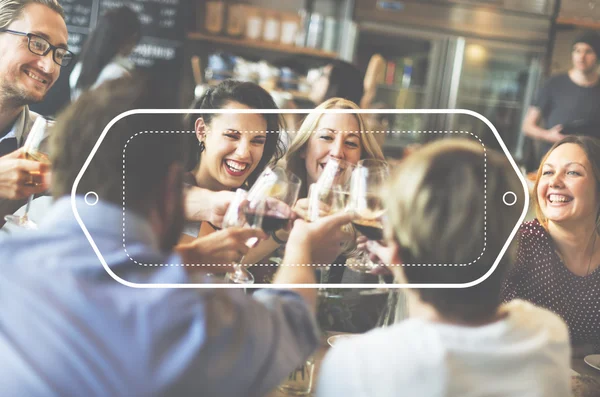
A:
(584, 23)
(262, 45)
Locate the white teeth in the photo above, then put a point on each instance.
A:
(558, 198)
(33, 76)
(234, 165)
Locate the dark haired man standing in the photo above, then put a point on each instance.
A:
(570, 102)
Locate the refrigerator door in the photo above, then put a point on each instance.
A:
(495, 80)
(410, 79)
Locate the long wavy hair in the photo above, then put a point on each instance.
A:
(116, 28)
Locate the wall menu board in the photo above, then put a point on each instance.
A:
(160, 48)
(162, 21)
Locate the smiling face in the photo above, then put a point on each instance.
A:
(584, 58)
(336, 135)
(26, 77)
(567, 189)
(234, 146)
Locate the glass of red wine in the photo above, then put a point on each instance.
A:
(272, 197)
(235, 217)
(367, 204)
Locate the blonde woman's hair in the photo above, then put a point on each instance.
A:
(294, 161)
(445, 213)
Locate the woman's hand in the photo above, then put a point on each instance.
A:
(220, 248)
(317, 242)
(206, 205)
(374, 249)
(301, 209)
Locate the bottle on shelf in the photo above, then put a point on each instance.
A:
(235, 19)
(214, 16)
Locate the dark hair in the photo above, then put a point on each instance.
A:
(115, 28)
(345, 81)
(131, 148)
(450, 224)
(590, 38)
(251, 95)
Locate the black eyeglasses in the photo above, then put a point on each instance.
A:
(40, 46)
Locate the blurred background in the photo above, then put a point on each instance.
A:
(489, 56)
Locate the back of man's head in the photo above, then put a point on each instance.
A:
(11, 10)
(447, 216)
(132, 161)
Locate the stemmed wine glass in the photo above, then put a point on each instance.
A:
(31, 148)
(336, 172)
(323, 201)
(330, 188)
(234, 217)
(365, 201)
(268, 206)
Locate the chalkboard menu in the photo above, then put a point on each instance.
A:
(160, 48)
(162, 25)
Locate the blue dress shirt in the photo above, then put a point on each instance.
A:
(67, 328)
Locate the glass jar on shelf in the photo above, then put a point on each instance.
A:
(213, 16)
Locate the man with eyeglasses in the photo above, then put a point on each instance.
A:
(33, 48)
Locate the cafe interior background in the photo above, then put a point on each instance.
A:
(489, 56)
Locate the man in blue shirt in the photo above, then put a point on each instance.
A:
(69, 328)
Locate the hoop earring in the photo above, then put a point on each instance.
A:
(202, 146)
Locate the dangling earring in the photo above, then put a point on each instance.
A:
(202, 146)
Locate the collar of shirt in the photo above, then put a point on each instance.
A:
(23, 123)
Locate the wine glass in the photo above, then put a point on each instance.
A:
(32, 151)
(234, 217)
(268, 206)
(324, 201)
(272, 197)
(336, 172)
(365, 201)
(331, 188)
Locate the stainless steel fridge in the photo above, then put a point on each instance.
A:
(482, 55)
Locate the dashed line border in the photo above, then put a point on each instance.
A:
(174, 132)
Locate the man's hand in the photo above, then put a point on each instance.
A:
(205, 205)
(554, 134)
(318, 242)
(20, 178)
(223, 247)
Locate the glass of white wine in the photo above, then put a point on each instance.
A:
(32, 151)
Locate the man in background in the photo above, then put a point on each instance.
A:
(33, 48)
(570, 102)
